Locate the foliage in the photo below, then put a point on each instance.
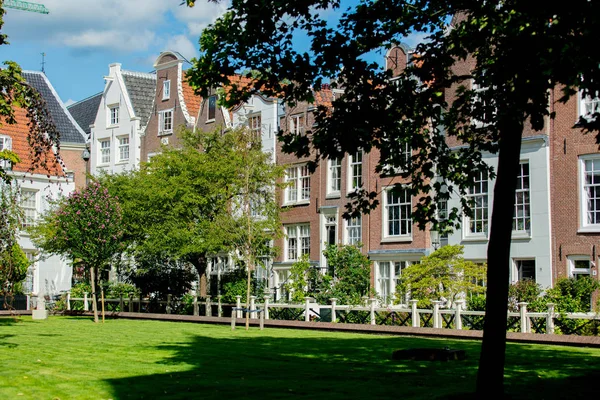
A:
(476, 302)
(572, 294)
(157, 277)
(179, 205)
(235, 283)
(114, 290)
(78, 290)
(443, 275)
(351, 274)
(307, 281)
(13, 270)
(527, 291)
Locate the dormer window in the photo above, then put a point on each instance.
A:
(212, 108)
(296, 124)
(113, 114)
(166, 90)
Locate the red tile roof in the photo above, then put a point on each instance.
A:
(191, 100)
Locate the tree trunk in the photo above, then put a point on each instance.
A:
(93, 274)
(200, 263)
(490, 377)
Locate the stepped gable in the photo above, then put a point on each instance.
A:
(141, 88)
(70, 132)
(84, 111)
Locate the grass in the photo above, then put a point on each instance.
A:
(71, 358)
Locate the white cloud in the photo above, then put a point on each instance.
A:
(199, 16)
(118, 39)
(183, 45)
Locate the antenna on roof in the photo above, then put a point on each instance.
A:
(43, 63)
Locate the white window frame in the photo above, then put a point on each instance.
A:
(584, 215)
(404, 210)
(124, 147)
(296, 127)
(386, 283)
(104, 151)
(166, 93)
(353, 231)
(517, 273)
(476, 190)
(297, 241)
(479, 89)
(211, 103)
(334, 175)
(5, 144)
(297, 190)
(29, 204)
(406, 154)
(113, 114)
(163, 128)
(588, 105)
(574, 270)
(522, 202)
(355, 171)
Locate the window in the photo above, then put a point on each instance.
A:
(354, 230)
(588, 105)
(166, 90)
(404, 159)
(590, 189)
(5, 144)
(297, 124)
(579, 266)
(123, 149)
(334, 176)
(397, 213)
(485, 115)
(389, 273)
(478, 199)
(355, 180)
(298, 241)
(254, 122)
(442, 215)
(165, 122)
(29, 205)
(525, 270)
(522, 217)
(105, 151)
(114, 115)
(298, 185)
(212, 108)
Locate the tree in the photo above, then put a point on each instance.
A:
(351, 273)
(85, 227)
(442, 275)
(43, 138)
(521, 52)
(214, 194)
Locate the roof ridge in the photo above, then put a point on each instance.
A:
(148, 75)
(86, 99)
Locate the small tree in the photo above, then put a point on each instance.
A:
(307, 281)
(444, 275)
(351, 271)
(85, 227)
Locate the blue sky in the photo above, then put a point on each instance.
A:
(82, 37)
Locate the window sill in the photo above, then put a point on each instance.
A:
(209, 121)
(589, 229)
(297, 203)
(397, 239)
(165, 133)
(122, 162)
(334, 195)
(521, 235)
(475, 239)
(111, 126)
(166, 98)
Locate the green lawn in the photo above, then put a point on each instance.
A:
(71, 358)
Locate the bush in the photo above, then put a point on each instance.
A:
(476, 302)
(527, 291)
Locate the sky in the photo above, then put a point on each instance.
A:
(80, 38)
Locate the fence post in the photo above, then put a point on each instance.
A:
(196, 311)
(168, 307)
(306, 309)
(208, 310)
(365, 300)
(239, 306)
(252, 314)
(233, 315)
(266, 306)
(120, 302)
(373, 322)
(262, 320)
(457, 315)
(28, 304)
(140, 304)
(68, 300)
(333, 316)
(86, 306)
(219, 307)
(523, 312)
(130, 302)
(436, 314)
(550, 319)
(416, 321)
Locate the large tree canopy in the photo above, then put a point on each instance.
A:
(521, 51)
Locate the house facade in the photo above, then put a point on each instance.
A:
(47, 274)
(121, 119)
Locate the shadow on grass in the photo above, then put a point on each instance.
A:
(272, 367)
